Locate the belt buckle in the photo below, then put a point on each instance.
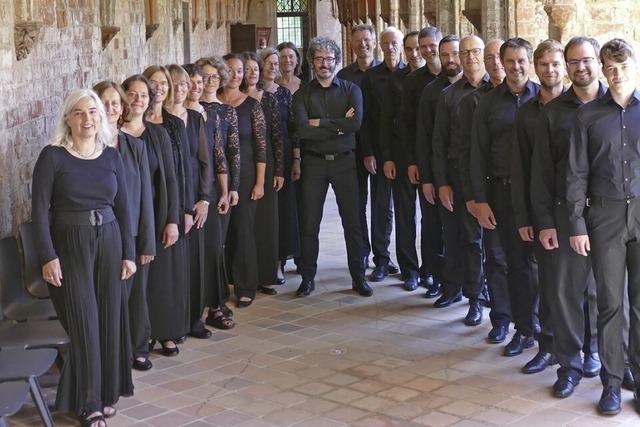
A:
(329, 157)
(95, 218)
(588, 202)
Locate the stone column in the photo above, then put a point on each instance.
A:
(562, 17)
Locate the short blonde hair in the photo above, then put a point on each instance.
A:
(62, 132)
(151, 70)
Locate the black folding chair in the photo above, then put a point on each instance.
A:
(13, 394)
(16, 304)
(28, 365)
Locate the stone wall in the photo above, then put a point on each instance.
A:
(68, 54)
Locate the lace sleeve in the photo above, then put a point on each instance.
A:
(259, 133)
(233, 148)
(220, 159)
(277, 144)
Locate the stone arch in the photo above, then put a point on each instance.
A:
(27, 25)
(107, 14)
(151, 17)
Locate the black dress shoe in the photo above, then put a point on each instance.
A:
(281, 281)
(411, 284)
(591, 365)
(202, 333)
(392, 268)
(636, 399)
(539, 363)
(564, 386)
(446, 300)
(628, 382)
(142, 365)
(362, 288)
(305, 288)
(433, 291)
(379, 273)
(426, 281)
(610, 401)
(267, 290)
(498, 334)
(474, 315)
(518, 343)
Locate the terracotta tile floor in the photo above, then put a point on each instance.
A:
(336, 359)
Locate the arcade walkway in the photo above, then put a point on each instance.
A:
(336, 359)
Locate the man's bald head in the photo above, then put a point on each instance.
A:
(492, 61)
(471, 53)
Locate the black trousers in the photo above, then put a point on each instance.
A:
(573, 301)
(462, 244)
(614, 232)
(431, 238)
(381, 213)
(521, 265)
(544, 296)
(495, 272)
(91, 305)
(196, 281)
(139, 311)
(404, 202)
(317, 174)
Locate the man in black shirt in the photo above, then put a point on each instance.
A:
(492, 137)
(373, 86)
(363, 44)
(572, 291)
(327, 113)
(393, 154)
(549, 67)
(462, 243)
(451, 73)
(494, 271)
(405, 212)
(603, 174)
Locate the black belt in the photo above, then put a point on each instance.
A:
(93, 217)
(603, 201)
(332, 156)
(504, 180)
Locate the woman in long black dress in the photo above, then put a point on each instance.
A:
(168, 289)
(289, 234)
(86, 248)
(214, 275)
(241, 244)
(197, 154)
(266, 225)
(164, 190)
(215, 74)
(136, 167)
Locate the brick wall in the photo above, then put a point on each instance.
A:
(69, 55)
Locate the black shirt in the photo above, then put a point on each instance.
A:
(391, 142)
(604, 155)
(354, 74)
(446, 140)
(413, 85)
(493, 135)
(468, 106)
(373, 88)
(550, 152)
(336, 133)
(424, 126)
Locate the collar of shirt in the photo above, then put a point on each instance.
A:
(503, 88)
(570, 94)
(355, 68)
(382, 66)
(465, 81)
(334, 82)
(607, 98)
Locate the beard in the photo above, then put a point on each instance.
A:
(451, 69)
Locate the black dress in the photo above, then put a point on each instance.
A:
(201, 172)
(92, 301)
(136, 167)
(289, 233)
(168, 285)
(241, 252)
(266, 225)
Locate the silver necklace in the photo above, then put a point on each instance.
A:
(95, 150)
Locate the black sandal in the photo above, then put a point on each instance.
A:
(267, 290)
(226, 310)
(88, 422)
(243, 304)
(110, 415)
(218, 320)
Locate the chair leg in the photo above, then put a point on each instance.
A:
(41, 404)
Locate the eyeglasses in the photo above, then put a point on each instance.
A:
(475, 52)
(182, 85)
(154, 83)
(320, 59)
(210, 77)
(585, 61)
